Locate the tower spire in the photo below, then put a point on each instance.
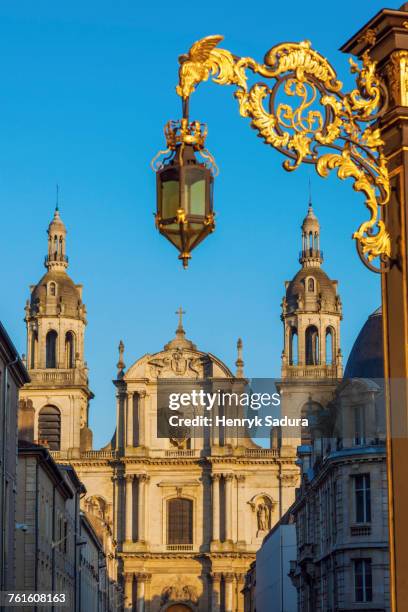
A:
(310, 255)
(56, 258)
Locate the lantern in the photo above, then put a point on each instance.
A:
(185, 187)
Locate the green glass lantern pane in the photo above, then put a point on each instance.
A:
(170, 199)
(197, 198)
(195, 191)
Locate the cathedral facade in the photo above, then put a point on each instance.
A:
(181, 519)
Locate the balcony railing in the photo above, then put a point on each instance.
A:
(261, 452)
(188, 452)
(91, 454)
(360, 530)
(179, 547)
(310, 371)
(59, 377)
(314, 253)
(99, 454)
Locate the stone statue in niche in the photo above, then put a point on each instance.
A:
(263, 515)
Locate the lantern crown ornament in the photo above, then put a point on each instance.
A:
(185, 177)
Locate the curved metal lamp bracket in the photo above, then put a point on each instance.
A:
(316, 123)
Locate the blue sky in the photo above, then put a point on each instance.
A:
(86, 88)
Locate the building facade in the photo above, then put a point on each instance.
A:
(181, 519)
(310, 374)
(274, 589)
(341, 508)
(48, 511)
(96, 591)
(13, 376)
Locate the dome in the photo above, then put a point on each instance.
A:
(56, 225)
(67, 292)
(367, 358)
(325, 287)
(310, 222)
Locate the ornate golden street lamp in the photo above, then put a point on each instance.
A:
(185, 213)
(363, 135)
(325, 127)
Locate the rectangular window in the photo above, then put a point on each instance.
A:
(179, 521)
(359, 426)
(362, 498)
(363, 580)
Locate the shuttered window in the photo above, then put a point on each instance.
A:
(179, 521)
(49, 427)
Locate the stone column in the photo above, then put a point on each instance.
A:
(228, 501)
(120, 419)
(142, 417)
(240, 508)
(228, 581)
(240, 583)
(129, 421)
(129, 508)
(215, 507)
(128, 592)
(142, 503)
(142, 581)
(216, 592)
(116, 484)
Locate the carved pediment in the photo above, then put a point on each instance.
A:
(177, 363)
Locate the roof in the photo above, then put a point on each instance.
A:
(366, 359)
(310, 222)
(56, 224)
(45, 459)
(67, 292)
(325, 286)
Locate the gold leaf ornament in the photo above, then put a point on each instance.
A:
(317, 123)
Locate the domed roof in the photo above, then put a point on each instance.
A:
(325, 287)
(56, 224)
(67, 293)
(367, 357)
(310, 222)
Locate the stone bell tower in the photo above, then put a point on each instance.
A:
(56, 320)
(311, 316)
(311, 313)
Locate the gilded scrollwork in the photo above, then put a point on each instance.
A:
(305, 115)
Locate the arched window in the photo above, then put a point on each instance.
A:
(51, 349)
(49, 427)
(53, 289)
(293, 346)
(312, 345)
(310, 285)
(70, 350)
(329, 346)
(179, 521)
